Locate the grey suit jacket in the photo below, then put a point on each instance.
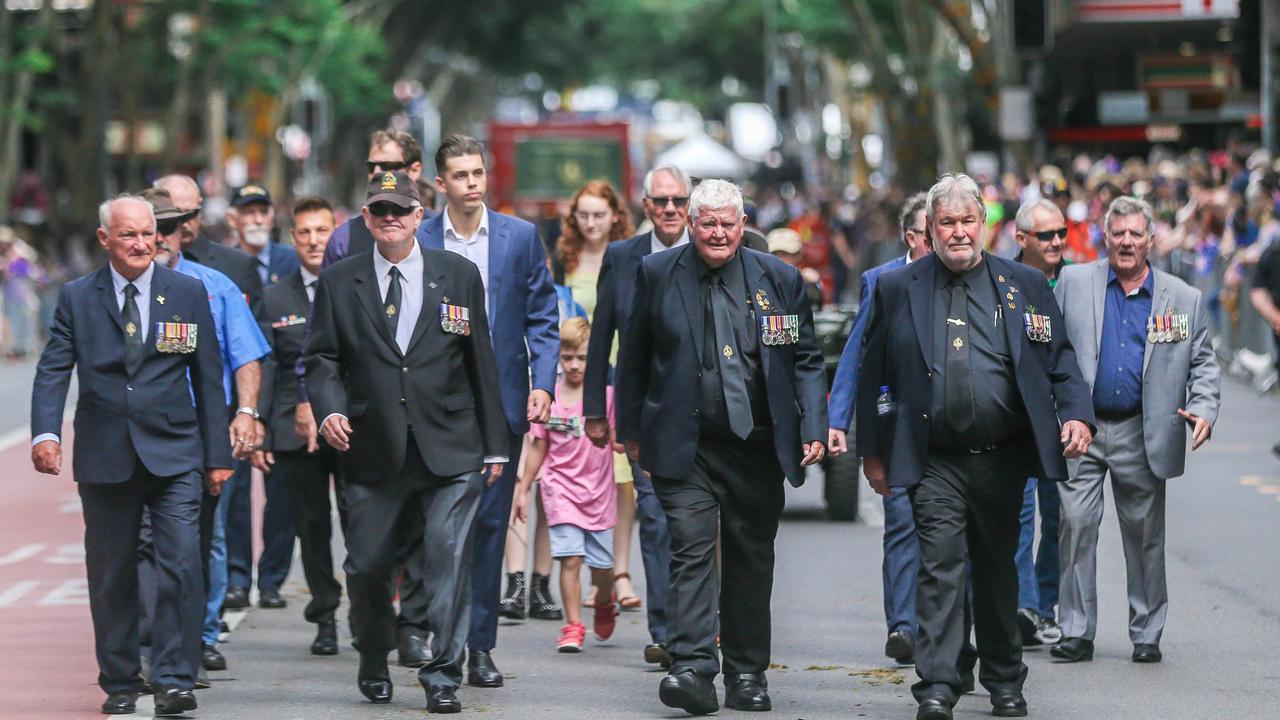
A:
(1175, 375)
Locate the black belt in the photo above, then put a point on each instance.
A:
(1118, 416)
(983, 447)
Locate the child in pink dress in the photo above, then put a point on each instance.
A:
(578, 494)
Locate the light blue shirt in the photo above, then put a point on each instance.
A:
(239, 337)
(263, 257)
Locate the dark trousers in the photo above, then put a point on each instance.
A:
(966, 506)
(306, 476)
(277, 530)
(901, 563)
(655, 552)
(486, 566)
(447, 506)
(1038, 570)
(734, 489)
(113, 520)
(147, 577)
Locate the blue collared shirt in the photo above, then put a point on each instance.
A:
(239, 336)
(1117, 389)
(263, 257)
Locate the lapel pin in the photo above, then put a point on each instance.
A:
(431, 285)
(160, 299)
(1000, 278)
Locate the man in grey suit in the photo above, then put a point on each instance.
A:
(1142, 339)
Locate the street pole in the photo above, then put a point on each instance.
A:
(770, 54)
(1269, 11)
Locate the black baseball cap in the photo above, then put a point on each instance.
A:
(393, 187)
(250, 194)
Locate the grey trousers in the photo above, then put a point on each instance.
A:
(447, 507)
(1117, 449)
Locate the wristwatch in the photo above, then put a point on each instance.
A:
(251, 412)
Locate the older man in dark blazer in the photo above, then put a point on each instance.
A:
(723, 395)
(968, 386)
(401, 372)
(150, 428)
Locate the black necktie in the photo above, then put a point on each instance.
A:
(392, 304)
(732, 375)
(959, 389)
(311, 293)
(132, 330)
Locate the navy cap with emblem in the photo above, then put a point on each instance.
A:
(393, 187)
(250, 194)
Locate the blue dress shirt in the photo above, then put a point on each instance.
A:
(1117, 389)
(239, 337)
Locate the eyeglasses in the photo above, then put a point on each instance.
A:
(677, 200)
(383, 209)
(1049, 235)
(374, 166)
(167, 227)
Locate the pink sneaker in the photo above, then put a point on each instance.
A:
(572, 637)
(606, 618)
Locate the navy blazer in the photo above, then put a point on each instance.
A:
(152, 411)
(522, 310)
(615, 290)
(899, 349)
(844, 385)
(282, 263)
(659, 365)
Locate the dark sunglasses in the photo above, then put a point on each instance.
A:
(385, 209)
(677, 200)
(167, 227)
(1049, 235)
(385, 166)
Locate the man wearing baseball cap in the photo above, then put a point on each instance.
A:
(402, 374)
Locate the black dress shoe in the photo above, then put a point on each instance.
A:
(1147, 653)
(270, 599)
(656, 654)
(120, 704)
(237, 598)
(443, 699)
(967, 684)
(212, 659)
(374, 680)
(901, 646)
(174, 701)
(686, 690)
(1073, 649)
(412, 650)
(933, 709)
(1008, 704)
(326, 642)
(481, 672)
(747, 691)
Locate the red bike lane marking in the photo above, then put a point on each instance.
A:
(46, 634)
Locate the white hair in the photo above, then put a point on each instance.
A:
(104, 210)
(1128, 205)
(672, 170)
(954, 185)
(714, 195)
(1022, 221)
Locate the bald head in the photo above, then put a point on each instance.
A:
(185, 194)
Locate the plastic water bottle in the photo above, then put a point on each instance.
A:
(885, 404)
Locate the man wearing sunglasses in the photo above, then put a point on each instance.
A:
(1041, 231)
(389, 151)
(666, 204)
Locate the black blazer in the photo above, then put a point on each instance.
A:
(288, 314)
(147, 417)
(899, 348)
(445, 387)
(659, 366)
(239, 266)
(615, 290)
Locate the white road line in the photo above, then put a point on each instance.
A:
(16, 592)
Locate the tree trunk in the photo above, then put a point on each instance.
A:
(17, 105)
(176, 121)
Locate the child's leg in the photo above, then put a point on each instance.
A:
(571, 587)
(622, 542)
(602, 578)
(517, 546)
(541, 542)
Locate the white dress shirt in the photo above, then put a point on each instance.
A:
(474, 248)
(143, 301)
(309, 283)
(656, 246)
(410, 290)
